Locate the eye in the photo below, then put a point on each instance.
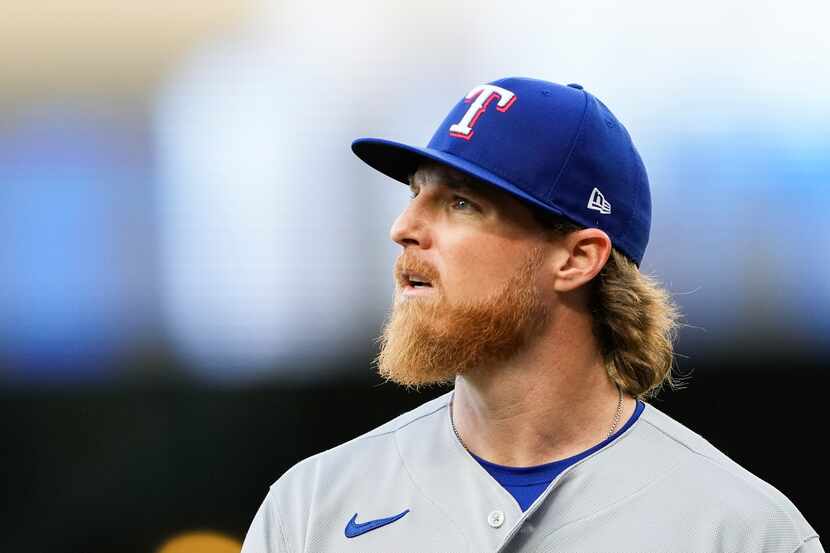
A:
(461, 203)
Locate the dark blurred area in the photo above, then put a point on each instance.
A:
(122, 468)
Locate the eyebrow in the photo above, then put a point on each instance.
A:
(455, 183)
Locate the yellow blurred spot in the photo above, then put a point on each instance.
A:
(201, 542)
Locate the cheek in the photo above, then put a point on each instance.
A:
(473, 270)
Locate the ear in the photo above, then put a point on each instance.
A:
(582, 256)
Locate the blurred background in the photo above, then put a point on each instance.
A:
(194, 266)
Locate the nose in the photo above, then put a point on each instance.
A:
(411, 228)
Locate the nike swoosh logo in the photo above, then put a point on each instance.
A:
(354, 528)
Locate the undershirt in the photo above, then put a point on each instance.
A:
(527, 483)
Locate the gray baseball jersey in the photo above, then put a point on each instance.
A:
(409, 486)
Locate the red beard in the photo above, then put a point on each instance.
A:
(428, 341)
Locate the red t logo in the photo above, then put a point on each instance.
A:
(481, 96)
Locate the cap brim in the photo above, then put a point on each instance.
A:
(399, 161)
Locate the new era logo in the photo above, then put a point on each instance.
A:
(598, 202)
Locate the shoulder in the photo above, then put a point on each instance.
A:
(335, 480)
(377, 445)
(699, 454)
(426, 412)
(708, 476)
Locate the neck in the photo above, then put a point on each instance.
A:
(552, 401)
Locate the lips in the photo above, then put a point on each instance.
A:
(414, 284)
(416, 280)
(415, 276)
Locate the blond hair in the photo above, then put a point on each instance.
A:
(635, 321)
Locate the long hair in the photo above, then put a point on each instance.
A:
(635, 320)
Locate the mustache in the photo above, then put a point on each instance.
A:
(408, 263)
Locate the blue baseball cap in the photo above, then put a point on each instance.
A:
(554, 146)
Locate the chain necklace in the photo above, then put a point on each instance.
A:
(618, 415)
(610, 432)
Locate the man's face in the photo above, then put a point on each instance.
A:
(469, 283)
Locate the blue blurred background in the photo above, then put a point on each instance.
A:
(193, 265)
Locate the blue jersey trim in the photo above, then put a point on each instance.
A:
(528, 483)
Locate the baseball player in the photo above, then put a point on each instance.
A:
(518, 281)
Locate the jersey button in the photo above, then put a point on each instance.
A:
(495, 519)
